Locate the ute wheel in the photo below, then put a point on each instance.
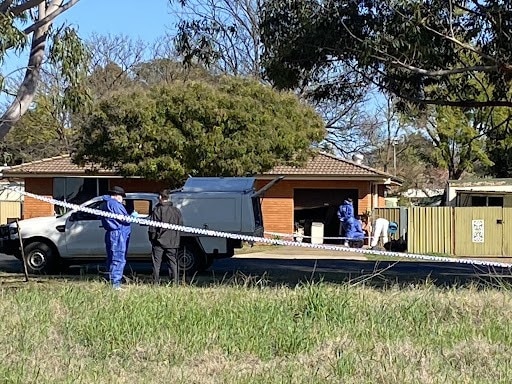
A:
(40, 258)
(189, 260)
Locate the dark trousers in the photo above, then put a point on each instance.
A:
(171, 259)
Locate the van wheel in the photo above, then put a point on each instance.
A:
(188, 260)
(40, 258)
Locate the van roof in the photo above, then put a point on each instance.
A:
(219, 184)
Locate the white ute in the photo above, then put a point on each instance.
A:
(227, 204)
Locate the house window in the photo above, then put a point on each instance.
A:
(487, 201)
(77, 190)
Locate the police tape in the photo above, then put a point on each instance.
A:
(257, 239)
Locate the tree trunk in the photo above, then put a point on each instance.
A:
(27, 89)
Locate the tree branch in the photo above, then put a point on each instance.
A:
(459, 103)
(454, 71)
(19, 9)
(49, 18)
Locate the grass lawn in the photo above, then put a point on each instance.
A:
(83, 332)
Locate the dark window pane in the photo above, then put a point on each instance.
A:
(77, 190)
(59, 188)
(478, 201)
(495, 201)
(80, 190)
(102, 187)
(80, 215)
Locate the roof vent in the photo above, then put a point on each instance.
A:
(357, 158)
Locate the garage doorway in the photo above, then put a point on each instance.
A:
(321, 205)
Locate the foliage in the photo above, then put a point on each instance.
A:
(24, 19)
(416, 50)
(224, 35)
(232, 127)
(499, 143)
(36, 135)
(455, 139)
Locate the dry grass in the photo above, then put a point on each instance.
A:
(82, 332)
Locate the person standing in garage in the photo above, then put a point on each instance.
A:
(345, 212)
(165, 242)
(117, 235)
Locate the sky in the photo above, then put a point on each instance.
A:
(144, 19)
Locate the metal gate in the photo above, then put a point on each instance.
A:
(479, 231)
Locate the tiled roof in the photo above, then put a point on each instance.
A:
(58, 165)
(324, 164)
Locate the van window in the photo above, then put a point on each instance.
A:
(143, 207)
(258, 216)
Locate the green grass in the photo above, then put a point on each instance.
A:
(83, 332)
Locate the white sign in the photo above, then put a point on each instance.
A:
(477, 231)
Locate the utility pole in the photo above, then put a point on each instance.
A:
(394, 143)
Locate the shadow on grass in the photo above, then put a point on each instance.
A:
(288, 272)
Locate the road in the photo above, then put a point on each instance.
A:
(291, 271)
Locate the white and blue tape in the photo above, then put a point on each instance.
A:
(256, 239)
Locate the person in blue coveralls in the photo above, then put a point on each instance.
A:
(354, 232)
(345, 212)
(117, 235)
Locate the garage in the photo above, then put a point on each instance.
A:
(321, 205)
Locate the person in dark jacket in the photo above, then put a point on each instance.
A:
(165, 242)
(117, 235)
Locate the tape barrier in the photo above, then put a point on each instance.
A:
(256, 239)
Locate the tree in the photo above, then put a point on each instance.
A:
(24, 18)
(38, 134)
(423, 51)
(222, 34)
(225, 36)
(457, 138)
(230, 127)
(499, 143)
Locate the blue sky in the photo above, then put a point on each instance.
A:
(144, 19)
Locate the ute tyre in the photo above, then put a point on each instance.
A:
(41, 258)
(189, 261)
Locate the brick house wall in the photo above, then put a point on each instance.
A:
(33, 207)
(44, 186)
(278, 204)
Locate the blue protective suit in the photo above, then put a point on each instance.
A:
(117, 238)
(353, 229)
(345, 211)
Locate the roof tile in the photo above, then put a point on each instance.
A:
(58, 165)
(322, 164)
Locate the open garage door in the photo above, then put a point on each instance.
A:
(321, 205)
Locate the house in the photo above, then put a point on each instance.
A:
(479, 193)
(307, 194)
(313, 193)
